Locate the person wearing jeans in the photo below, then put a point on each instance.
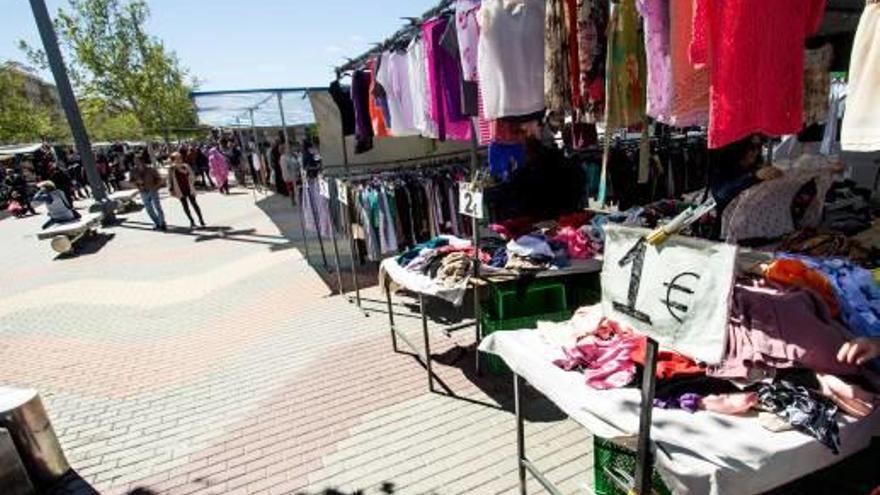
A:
(149, 182)
(182, 184)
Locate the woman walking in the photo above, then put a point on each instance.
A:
(219, 169)
(182, 185)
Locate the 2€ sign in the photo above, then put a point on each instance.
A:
(470, 200)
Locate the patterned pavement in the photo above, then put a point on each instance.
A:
(220, 362)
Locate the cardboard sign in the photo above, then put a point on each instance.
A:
(676, 293)
(470, 200)
(324, 187)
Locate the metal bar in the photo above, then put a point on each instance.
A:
(520, 433)
(645, 459)
(390, 314)
(547, 484)
(438, 156)
(354, 251)
(427, 342)
(317, 224)
(304, 189)
(256, 151)
(475, 225)
(341, 290)
(71, 108)
(251, 91)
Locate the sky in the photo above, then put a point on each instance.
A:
(245, 44)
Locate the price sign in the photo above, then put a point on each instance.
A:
(342, 189)
(324, 186)
(470, 200)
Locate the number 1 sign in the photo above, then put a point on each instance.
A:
(676, 292)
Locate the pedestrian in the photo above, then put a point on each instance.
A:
(234, 158)
(19, 187)
(275, 161)
(102, 163)
(290, 170)
(57, 207)
(203, 168)
(219, 169)
(62, 181)
(149, 182)
(182, 185)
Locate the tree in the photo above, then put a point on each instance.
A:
(20, 120)
(111, 57)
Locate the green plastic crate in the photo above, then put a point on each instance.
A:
(495, 364)
(539, 297)
(611, 456)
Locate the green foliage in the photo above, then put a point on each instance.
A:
(111, 57)
(20, 120)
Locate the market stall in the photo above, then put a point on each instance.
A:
(625, 138)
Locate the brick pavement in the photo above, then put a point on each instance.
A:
(219, 362)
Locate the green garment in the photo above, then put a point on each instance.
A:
(626, 75)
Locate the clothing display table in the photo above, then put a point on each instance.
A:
(699, 453)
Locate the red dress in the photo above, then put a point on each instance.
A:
(755, 53)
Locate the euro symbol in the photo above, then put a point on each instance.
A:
(678, 310)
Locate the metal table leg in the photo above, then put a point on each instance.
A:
(427, 343)
(390, 315)
(520, 434)
(355, 258)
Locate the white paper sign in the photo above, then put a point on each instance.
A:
(342, 190)
(470, 200)
(324, 187)
(677, 293)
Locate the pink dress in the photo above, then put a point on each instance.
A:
(219, 167)
(755, 53)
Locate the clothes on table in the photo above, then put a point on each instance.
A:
(738, 39)
(529, 246)
(795, 273)
(774, 328)
(861, 121)
(857, 292)
(804, 409)
(606, 364)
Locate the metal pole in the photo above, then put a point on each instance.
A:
(390, 314)
(355, 249)
(68, 102)
(520, 433)
(645, 465)
(336, 250)
(256, 150)
(427, 343)
(475, 225)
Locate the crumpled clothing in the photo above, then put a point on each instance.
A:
(796, 274)
(525, 264)
(561, 259)
(529, 246)
(587, 321)
(851, 399)
(499, 258)
(454, 269)
(577, 244)
(730, 404)
(405, 258)
(687, 402)
(807, 411)
(511, 229)
(856, 290)
(669, 364)
(606, 364)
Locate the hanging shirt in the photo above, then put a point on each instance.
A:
(557, 92)
(360, 96)
(418, 81)
(444, 82)
(689, 104)
(861, 122)
(817, 84)
(393, 75)
(624, 86)
(755, 54)
(592, 41)
(376, 99)
(656, 20)
(511, 57)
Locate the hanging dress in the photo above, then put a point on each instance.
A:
(861, 120)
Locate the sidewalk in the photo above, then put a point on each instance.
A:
(219, 362)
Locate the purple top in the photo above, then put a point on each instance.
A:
(444, 81)
(656, 16)
(360, 96)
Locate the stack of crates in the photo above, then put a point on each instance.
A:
(512, 309)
